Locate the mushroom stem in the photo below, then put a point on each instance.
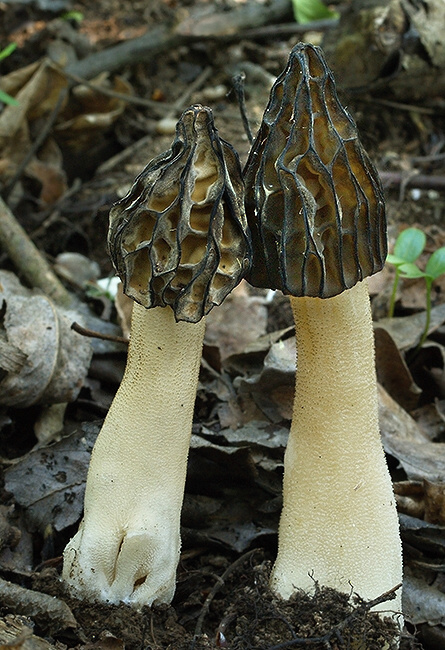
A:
(339, 523)
(127, 548)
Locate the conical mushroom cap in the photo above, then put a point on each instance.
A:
(314, 201)
(179, 237)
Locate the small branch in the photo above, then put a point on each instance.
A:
(97, 335)
(28, 259)
(216, 587)
(238, 87)
(159, 107)
(423, 181)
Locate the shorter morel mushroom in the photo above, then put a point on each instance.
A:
(315, 208)
(179, 242)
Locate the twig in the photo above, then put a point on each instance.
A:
(84, 331)
(216, 587)
(288, 29)
(159, 107)
(238, 87)
(28, 259)
(423, 181)
(412, 108)
(184, 99)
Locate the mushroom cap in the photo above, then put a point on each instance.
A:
(180, 237)
(314, 201)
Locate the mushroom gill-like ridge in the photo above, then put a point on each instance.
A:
(307, 159)
(195, 239)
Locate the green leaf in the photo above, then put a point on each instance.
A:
(410, 270)
(77, 16)
(306, 11)
(7, 99)
(436, 264)
(410, 244)
(393, 259)
(9, 49)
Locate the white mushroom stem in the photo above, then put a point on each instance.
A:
(127, 548)
(339, 523)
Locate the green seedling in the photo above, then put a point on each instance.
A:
(76, 16)
(4, 97)
(409, 246)
(305, 11)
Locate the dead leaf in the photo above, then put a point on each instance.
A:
(422, 603)
(407, 330)
(37, 89)
(239, 321)
(91, 112)
(273, 388)
(392, 371)
(403, 439)
(50, 483)
(434, 502)
(56, 359)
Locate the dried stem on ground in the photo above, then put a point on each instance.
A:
(27, 258)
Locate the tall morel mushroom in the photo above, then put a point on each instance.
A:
(179, 242)
(315, 208)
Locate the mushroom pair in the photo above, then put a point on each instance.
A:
(179, 240)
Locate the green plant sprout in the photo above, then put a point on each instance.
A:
(408, 248)
(306, 11)
(4, 97)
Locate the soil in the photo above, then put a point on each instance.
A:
(222, 598)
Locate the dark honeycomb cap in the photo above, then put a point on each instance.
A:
(180, 237)
(314, 201)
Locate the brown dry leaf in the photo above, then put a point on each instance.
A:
(91, 112)
(403, 439)
(241, 319)
(273, 388)
(410, 498)
(49, 483)
(435, 502)
(392, 372)
(37, 89)
(56, 359)
(82, 116)
(407, 330)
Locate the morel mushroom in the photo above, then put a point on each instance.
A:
(315, 208)
(179, 243)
